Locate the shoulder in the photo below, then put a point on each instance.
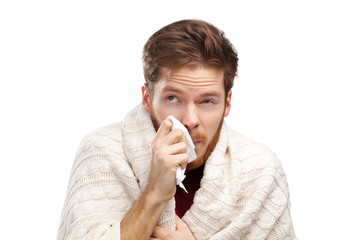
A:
(102, 151)
(258, 167)
(106, 137)
(252, 155)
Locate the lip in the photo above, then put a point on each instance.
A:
(196, 142)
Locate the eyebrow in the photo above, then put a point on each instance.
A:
(211, 94)
(171, 89)
(206, 94)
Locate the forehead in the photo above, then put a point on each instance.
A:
(199, 78)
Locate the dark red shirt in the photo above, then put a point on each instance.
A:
(192, 184)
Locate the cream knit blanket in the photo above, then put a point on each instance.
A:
(243, 193)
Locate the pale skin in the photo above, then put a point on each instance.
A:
(195, 96)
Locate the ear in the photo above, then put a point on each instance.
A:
(145, 97)
(228, 104)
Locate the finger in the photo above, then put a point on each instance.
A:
(174, 136)
(180, 224)
(181, 159)
(164, 129)
(160, 233)
(176, 148)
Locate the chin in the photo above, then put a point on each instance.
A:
(200, 150)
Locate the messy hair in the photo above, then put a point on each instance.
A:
(189, 43)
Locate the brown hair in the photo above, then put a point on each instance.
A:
(189, 43)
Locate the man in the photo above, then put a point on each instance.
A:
(123, 182)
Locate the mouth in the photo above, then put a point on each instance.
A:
(196, 142)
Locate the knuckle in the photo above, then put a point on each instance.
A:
(154, 146)
(167, 123)
(178, 133)
(182, 146)
(186, 158)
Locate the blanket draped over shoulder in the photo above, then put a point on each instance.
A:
(243, 193)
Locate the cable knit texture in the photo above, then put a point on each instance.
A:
(243, 193)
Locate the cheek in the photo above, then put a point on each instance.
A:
(156, 108)
(161, 112)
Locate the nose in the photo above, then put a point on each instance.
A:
(190, 118)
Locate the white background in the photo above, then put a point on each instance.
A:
(69, 67)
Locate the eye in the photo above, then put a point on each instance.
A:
(207, 101)
(172, 99)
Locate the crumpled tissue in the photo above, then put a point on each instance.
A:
(190, 150)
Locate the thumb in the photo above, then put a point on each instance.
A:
(160, 233)
(180, 224)
(164, 128)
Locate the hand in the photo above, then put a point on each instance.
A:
(168, 152)
(182, 232)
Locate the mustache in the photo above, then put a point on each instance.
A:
(197, 136)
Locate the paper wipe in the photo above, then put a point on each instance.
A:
(190, 150)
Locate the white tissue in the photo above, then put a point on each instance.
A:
(190, 150)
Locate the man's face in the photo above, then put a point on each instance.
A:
(196, 97)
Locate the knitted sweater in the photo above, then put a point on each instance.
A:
(243, 193)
